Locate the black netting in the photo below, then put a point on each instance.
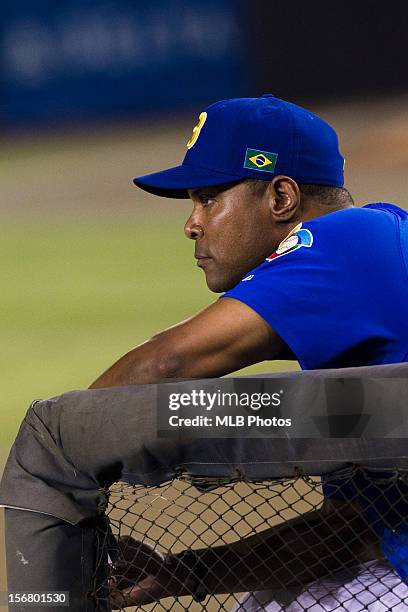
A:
(301, 544)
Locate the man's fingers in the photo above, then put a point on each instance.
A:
(123, 598)
(134, 561)
(145, 592)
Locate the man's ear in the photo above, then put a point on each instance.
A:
(284, 198)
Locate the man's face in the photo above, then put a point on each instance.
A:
(233, 231)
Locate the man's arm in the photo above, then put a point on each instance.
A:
(292, 554)
(226, 336)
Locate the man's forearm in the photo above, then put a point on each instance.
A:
(225, 337)
(291, 554)
(147, 363)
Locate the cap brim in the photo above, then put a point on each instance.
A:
(175, 182)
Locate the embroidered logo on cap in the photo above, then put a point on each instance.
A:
(196, 130)
(260, 160)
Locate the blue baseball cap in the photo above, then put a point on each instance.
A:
(252, 138)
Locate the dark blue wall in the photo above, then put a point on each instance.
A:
(86, 58)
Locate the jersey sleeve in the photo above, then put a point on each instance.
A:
(327, 289)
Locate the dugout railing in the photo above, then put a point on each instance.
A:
(100, 499)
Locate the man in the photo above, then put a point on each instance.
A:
(304, 274)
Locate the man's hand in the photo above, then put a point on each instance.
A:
(140, 575)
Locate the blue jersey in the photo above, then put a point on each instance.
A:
(336, 291)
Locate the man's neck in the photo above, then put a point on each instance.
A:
(319, 210)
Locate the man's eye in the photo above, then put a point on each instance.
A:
(206, 200)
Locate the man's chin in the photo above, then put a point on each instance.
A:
(217, 285)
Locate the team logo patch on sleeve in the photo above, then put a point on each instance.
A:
(260, 160)
(298, 237)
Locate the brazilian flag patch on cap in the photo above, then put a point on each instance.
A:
(260, 160)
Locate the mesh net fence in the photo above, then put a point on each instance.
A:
(305, 543)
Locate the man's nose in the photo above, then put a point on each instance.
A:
(193, 228)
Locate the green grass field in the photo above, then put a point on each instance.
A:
(78, 295)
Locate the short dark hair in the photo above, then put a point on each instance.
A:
(325, 194)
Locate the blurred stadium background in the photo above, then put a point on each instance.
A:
(94, 93)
